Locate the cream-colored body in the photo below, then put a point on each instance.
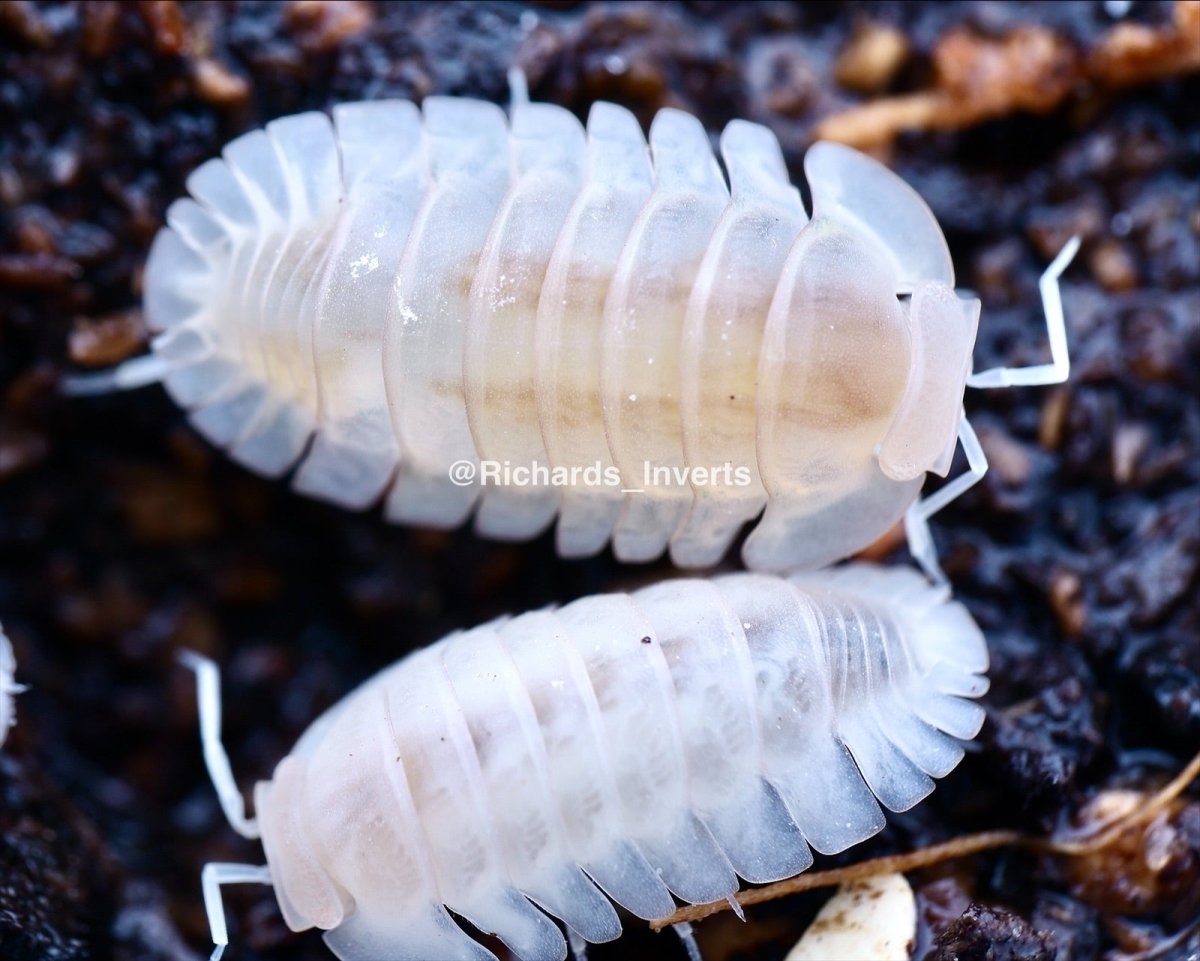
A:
(379, 300)
(642, 745)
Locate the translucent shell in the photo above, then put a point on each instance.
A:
(634, 747)
(640, 344)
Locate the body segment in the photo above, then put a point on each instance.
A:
(634, 747)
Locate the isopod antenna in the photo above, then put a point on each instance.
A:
(916, 519)
(214, 875)
(130, 375)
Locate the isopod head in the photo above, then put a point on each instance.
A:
(912, 334)
(865, 356)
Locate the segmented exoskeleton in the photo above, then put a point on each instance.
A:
(376, 300)
(644, 746)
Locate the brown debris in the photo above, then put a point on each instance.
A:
(1006, 455)
(1148, 865)
(988, 932)
(104, 341)
(163, 507)
(22, 18)
(218, 85)
(1113, 265)
(36, 270)
(1032, 69)
(872, 58)
(24, 443)
(1129, 446)
(167, 25)
(107, 610)
(56, 873)
(20, 449)
(100, 27)
(248, 583)
(978, 78)
(1066, 598)
(1053, 421)
(323, 24)
(1133, 54)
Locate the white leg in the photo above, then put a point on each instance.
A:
(212, 876)
(208, 700)
(138, 372)
(578, 944)
(684, 930)
(1059, 367)
(916, 520)
(518, 87)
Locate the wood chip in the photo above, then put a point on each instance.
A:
(104, 341)
(1031, 69)
(218, 85)
(872, 58)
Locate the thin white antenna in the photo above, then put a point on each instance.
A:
(1059, 368)
(135, 373)
(208, 700)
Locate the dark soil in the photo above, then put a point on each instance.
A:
(124, 537)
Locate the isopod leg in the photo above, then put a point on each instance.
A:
(916, 520)
(212, 876)
(1059, 367)
(577, 943)
(208, 700)
(135, 373)
(518, 87)
(688, 937)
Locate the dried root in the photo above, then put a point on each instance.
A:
(1097, 839)
(1031, 69)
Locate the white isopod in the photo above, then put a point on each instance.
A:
(650, 746)
(390, 299)
(8, 687)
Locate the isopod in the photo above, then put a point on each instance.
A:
(403, 293)
(8, 687)
(640, 747)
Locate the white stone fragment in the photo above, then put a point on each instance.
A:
(870, 920)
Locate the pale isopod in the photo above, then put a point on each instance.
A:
(379, 300)
(650, 746)
(8, 687)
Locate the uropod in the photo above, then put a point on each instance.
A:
(451, 311)
(641, 747)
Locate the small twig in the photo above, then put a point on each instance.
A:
(1104, 836)
(955, 848)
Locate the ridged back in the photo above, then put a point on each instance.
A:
(372, 301)
(650, 744)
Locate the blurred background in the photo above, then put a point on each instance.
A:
(124, 537)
